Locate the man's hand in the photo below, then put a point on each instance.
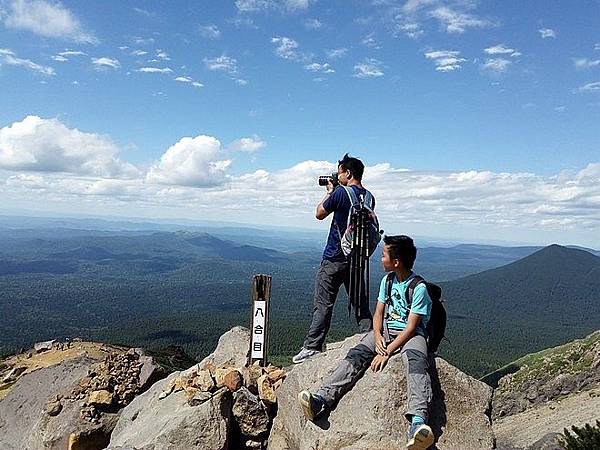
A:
(379, 363)
(330, 187)
(380, 346)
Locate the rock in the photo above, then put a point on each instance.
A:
(251, 374)
(232, 349)
(13, 374)
(233, 380)
(204, 381)
(100, 398)
(249, 413)
(199, 398)
(266, 391)
(53, 406)
(171, 423)
(276, 375)
(549, 441)
(370, 415)
(43, 346)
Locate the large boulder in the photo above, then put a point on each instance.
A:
(164, 418)
(371, 414)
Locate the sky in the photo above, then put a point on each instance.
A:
(476, 119)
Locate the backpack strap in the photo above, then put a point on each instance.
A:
(389, 281)
(408, 294)
(369, 200)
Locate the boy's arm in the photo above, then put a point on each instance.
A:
(378, 328)
(411, 328)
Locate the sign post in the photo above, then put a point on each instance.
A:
(260, 297)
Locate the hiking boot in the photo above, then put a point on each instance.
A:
(420, 437)
(313, 406)
(304, 354)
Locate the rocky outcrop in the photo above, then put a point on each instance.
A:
(204, 407)
(68, 395)
(370, 415)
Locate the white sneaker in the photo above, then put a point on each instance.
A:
(420, 437)
(304, 354)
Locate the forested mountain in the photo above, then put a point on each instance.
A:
(540, 301)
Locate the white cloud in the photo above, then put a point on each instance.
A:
(139, 52)
(457, 21)
(222, 63)
(287, 48)
(47, 19)
(252, 6)
(144, 12)
(336, 53)
(446, 60)
(369, 68)
(209, 31)
(155, 70)
(313, 24)
(162, 55)
(590, 87)
(597, 47)
(585, 63)
(321, 68)
(104, 63)
(501, 49)
(9, 58)
(194, 162)
(248, 144)
(546, 33)
(68, 53)
(411, 29)
(142, 41)
(59, 58)
(189, 80)
(496, 65)
(370, 41)
(297, 4)
(47, 145)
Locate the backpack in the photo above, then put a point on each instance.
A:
(360, 209)
(436, 327)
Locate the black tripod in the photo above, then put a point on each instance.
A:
(358, 292)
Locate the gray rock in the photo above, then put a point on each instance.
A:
(171, 423)
(250, 413)
(371, 414)
(13, 374)
(44, 346)
(549, 442)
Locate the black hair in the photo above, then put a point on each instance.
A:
(403, 248)
(354, 165)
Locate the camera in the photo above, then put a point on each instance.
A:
(324, 179)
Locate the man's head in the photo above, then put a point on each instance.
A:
(350, 168)
(399, 252)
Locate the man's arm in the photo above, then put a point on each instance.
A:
(322, 213)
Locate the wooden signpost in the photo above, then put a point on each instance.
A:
(260, 297)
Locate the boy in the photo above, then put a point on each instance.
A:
(407, 336)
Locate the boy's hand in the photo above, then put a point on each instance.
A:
(380, 346)
(379, 362)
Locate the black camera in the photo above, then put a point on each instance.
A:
(324, 179)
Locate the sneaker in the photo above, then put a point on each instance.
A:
(313, 406)
(304, 354)
(420, 437)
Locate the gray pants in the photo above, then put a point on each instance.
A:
(330, 277)
(357, 361)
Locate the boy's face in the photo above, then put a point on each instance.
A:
(389, 264)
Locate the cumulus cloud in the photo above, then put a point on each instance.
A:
(286, 48)
(446, 60)
(320, 68)
(194, 162)
(253, 6)
(370, 41)
(106, 63)
(9, 58)
(139, 52)
(47, 19)
(456, 21)
(248, 144)
(547, 33)
(209, 31)
(64, 56)
(501, 49)
(189, 80)
(47, 145)
(589, 87)
(155, 70)
(222, 63)
(496, 65)
(336, 53)
(369, 68)
(162, 55)
(585, 63)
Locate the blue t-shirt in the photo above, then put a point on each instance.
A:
(398, 311)
(338, 203)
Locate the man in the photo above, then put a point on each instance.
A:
(334, 270)
(402, 330)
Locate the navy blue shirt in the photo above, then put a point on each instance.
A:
(338, 203)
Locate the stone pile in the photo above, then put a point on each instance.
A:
(254, 396)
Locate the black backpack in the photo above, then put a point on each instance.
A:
(436, 327)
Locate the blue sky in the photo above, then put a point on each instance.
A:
(475, 119)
